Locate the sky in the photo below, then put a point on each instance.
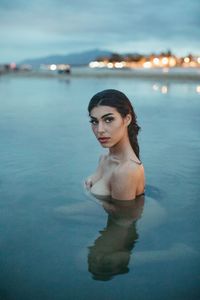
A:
(37, 28)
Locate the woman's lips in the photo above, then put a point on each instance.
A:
(103, 139)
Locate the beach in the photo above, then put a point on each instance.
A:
(177, 74)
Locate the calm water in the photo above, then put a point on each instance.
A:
(53, 235)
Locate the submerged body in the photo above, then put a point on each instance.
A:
(111, 251)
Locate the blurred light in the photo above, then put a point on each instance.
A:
(155, 87)
(94, 64)
(198, 89)
(172, 62)
(192, 64)
(156, 61)
(164, 89)
(63, 67)
(198, 60)
(53, 67)
(165, 60)
(119, 65)
(186, 60)
(101, 64)
(147, 64)
(110, 65)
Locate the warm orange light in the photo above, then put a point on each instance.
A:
(186, 60)
(164, 61)
(172, 61)
(147, 64)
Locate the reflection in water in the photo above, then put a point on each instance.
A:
(164, 89)
(198, 89)
(111, 251)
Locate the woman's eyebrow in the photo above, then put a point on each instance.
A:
(106, 115)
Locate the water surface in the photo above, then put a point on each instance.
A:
(49, 225)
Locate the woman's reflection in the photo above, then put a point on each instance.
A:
(111, 251)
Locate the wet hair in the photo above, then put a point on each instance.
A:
(120, 101)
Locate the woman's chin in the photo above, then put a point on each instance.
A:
(107, 145)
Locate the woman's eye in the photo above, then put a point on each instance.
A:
(93, 122)
(108, 120)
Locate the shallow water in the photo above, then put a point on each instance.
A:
(49, 224)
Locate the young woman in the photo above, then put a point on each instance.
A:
(120, 173)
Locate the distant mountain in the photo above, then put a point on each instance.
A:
(75, 59)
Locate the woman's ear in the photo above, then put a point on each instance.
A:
(128, 119)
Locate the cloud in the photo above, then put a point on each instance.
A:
(66, 24)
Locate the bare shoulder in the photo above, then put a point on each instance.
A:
(127, 171)
(126, 179)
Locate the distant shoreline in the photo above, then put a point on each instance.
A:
(85, 72)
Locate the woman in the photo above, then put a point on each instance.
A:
(120, 174)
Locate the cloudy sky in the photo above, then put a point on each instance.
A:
(30, 29)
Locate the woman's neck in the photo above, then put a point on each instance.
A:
(122, 150)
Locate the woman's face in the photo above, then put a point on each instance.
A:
(108, 125)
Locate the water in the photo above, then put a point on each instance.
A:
(50, 226)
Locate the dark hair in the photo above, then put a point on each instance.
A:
(120, 101)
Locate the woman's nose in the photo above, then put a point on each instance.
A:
(101, 127)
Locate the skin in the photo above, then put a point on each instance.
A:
(120, 167)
